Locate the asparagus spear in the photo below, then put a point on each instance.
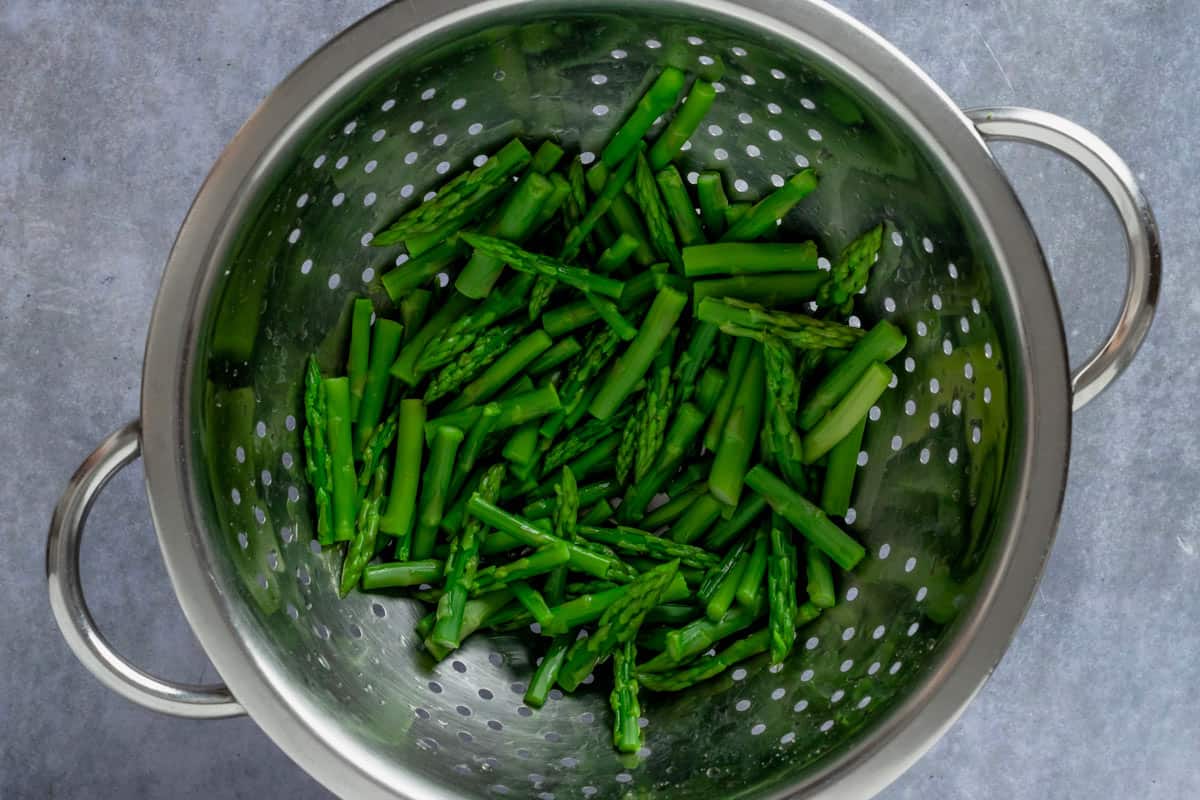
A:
(434, 485)
(542, 560)
(516, 222)
(318, 465)
(617, 254)
(783, 390)
(360, 348)
(700, 350)
(749, 589)
(806, 518)
(738, 360)
(414, 307)
(341, 454)
(532, 600)
(461, 200)
(404, 573)
(476, 614)
(849, 273)
(373, 451)
(734, 213)
(696, 637)
(592, 493)
(840, 469)
(401, 506)
(820, 578)
(580, 441)
(658, 223)
(580, 559)
(840, 420)
(546, 157)
(420, 270)
(618, 624)
(740, 434)
(673, 509)
(608, 194)
(689, 116)
(514, 410)
(546, 675)
(471, 447)
(534, 263)
(762, 217)
(627, 735)
(711, 192)
(658, 99)
(461, 567)
(636, 542)
(557, 354)
(739, 318)
(566, 526)
(385, 341)
(709, 388)
(881, 343)
(362, 548)
(489, 346)
(743, 259)
(405, 366)
(697, 519)
(591, 601)
(715, 576)
(626, 221)
(680, 437)
(632, 364)
(462, 331)
(505, 368)
(569, 317)
(772, 289)
(748, 510)
(611, 314)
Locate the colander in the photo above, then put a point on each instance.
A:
(962, 472)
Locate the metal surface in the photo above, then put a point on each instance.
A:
(70, 606)
(957, 508)
(1141, 231)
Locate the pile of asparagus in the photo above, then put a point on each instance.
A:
(616, 420)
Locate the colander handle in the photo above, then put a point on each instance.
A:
(70, 608)
(1113, 175)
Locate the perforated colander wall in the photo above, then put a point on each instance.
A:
(932, 466)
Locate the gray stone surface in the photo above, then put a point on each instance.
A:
(111, 115)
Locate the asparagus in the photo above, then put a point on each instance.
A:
(740, 318)
(700, 350)
(697, 519)
(783, 390)
(341, 455)
(491, 345)
(471, 447)
(318, 466)
(546, 675)
(611, 314)
(820, 578)
(514, 411)
(687, 119)
(592, 600)
(405, 366)
(840, 420)
(608, 194)
(881, 343)
(695, 472)
(849, 273)
(598, 458)
(460, 334)
(711, 192)
(517, 221)
(709, 389)
(461, 200)
(600, 348)
(592, 493)
(748, 510)
(740, 434)
(681, 679)
(617, 254)
(461, 567)
(542, 560)
(385, 341)
(629, 368)
(566, 525)
(360, 348)
(840, 468)
(413, 308)
(477, 612)
(557, 354)
(434, 485)
(680, 437)
(521, 447)
(532, 600)
(658, 222)
(627, 735)
(738, 360)
(580, 559)
(716, 576)
(721, 594)
(618, 624)
(418, 271)
(534, 263)
(546, 157)
(809, 520)
(674, 508)
(373, 451)
(773, 289)
(569, 317)
(502, 370)
(581, 440)
(658, 99)
(362, 548)
(696, 637)
(399, 574)
(763, 216)
(599, 513)
(636, 542)
(734, 213)
(749, 589)
(623, 213)
(401, 506)
(743, 259)
(659, 400)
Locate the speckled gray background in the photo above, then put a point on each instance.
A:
(112, 112)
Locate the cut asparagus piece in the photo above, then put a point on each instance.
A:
(385, 342)
(769, 290)
(399, 574)
(809, 520)
(685, 122)
(881, 343)
(434, 485)
(710, 190)
(517, 221)
(840, 469)
(820, 588)
(741, 258)
(658, 99)
(627, 734)
(762, 217)
(341, 454)
(741, 432)
(840, 420)
(360, 348)
(640, 543)
(534, 263)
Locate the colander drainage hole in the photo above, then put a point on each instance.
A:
(379, 610)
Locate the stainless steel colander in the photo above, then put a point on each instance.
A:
(964, 461)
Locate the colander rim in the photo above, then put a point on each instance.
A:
(334, 71)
